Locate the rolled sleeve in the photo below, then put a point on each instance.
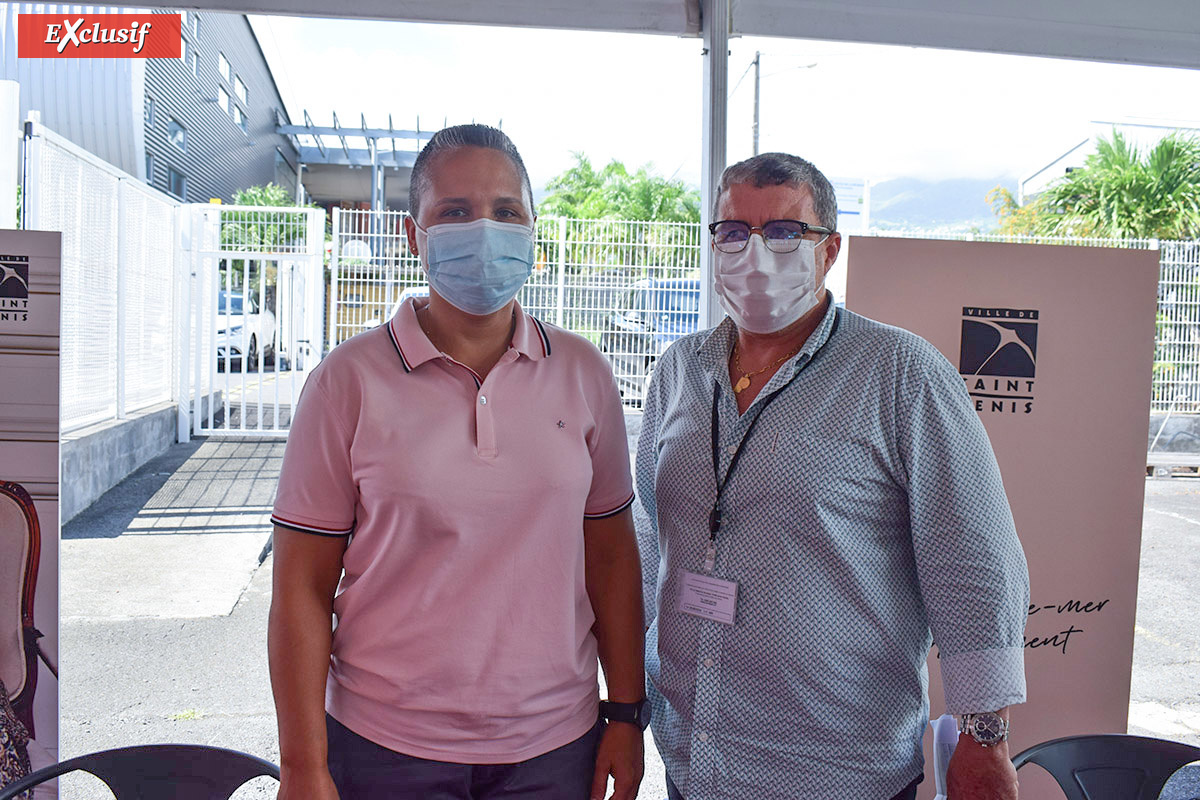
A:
(317, 493)
(973, 576)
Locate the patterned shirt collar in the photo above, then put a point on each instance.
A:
(714, 349)
(414, 348)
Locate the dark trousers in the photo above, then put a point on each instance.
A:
(363, 770)
(907, 793)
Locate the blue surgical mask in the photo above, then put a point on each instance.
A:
(478, 267)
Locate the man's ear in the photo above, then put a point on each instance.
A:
(410, 234)
(831, 248)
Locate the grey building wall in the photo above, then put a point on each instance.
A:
(219, 157)
(94, 102)
(100, 104)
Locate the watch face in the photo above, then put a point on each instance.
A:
(988, 728)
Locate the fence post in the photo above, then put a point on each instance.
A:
(314, 286)
(31, 182)
(10, 124)
(183, 248)
(560, 295)
(122, 291)
(333, 278)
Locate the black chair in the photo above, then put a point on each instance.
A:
(1111, 766)
(159, 772)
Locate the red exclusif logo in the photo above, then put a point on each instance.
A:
(99, 36)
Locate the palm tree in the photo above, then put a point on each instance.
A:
(1122, 194)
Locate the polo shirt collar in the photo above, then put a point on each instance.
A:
(713, 352)
(414, 348)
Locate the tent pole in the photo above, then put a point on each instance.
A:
(714, 25)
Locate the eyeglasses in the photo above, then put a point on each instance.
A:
(780, 235)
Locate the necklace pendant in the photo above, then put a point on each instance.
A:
(742, 384)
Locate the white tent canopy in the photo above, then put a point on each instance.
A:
(1152, 32)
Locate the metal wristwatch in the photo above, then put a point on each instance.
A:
(634, 713)
(988, 728)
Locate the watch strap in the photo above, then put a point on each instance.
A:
(634, 713)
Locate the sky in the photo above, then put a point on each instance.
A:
(870, 112)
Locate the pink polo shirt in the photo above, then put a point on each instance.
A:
(463, 623)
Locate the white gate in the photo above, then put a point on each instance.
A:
(254, 326)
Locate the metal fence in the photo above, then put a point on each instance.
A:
(633, 288)
(119, 279)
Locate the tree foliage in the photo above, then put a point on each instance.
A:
(612, 192)
(1119, 193)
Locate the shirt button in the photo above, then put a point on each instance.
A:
(483, 400)
(708, 662)
(702, 736)
(731, 449)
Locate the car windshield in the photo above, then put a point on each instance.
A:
(680, 300)
(230, 303)
(666, 300)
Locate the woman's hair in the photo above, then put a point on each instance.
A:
(453, 138)
(779, 169)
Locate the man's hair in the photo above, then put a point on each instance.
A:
(452, 138)
(779, 169)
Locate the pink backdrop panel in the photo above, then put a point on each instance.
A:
(1055, 345)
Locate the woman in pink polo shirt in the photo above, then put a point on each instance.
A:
(455, 492)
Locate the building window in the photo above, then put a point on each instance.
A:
(177, 183)
(176, 134)
(149, 111)
(223, 65)
(195, 63)
(149, 169)
(239, 89)
(223, 99)
(239, 119)
(195, 25)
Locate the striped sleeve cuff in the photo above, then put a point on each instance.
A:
(612, 513)
(313, 529)
(984, 680)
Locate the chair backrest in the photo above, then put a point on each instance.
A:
(20, 546)
(1109, 766)
(154, 771)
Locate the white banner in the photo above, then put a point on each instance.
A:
(29, 432)
(1055, 346)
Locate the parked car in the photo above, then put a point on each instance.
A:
(650, 316)
(237, 329)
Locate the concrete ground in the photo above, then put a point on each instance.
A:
(166, 591)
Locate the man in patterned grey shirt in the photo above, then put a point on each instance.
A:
(821, 502)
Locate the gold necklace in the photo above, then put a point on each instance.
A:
(743, 382)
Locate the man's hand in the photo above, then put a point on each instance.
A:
(619, 755)
(980, 773)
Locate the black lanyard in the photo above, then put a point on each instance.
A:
(714, 516)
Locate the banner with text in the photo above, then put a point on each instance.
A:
(30, 278)
(1055, 347)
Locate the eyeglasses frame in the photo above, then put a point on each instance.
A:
(804, 228)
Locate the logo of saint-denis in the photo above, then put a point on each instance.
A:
(14, 288)
(144, 35)
(998, 357)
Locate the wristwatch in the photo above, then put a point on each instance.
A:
(988, 728)
(634, 713)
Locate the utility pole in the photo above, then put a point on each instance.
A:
(757, 54)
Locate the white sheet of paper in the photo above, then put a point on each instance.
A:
(708, 597)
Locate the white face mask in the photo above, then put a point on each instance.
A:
(764, 291)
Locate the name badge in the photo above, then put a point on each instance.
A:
(708, 597)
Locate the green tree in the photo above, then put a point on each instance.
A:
(582, 192)
(1119, 193)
